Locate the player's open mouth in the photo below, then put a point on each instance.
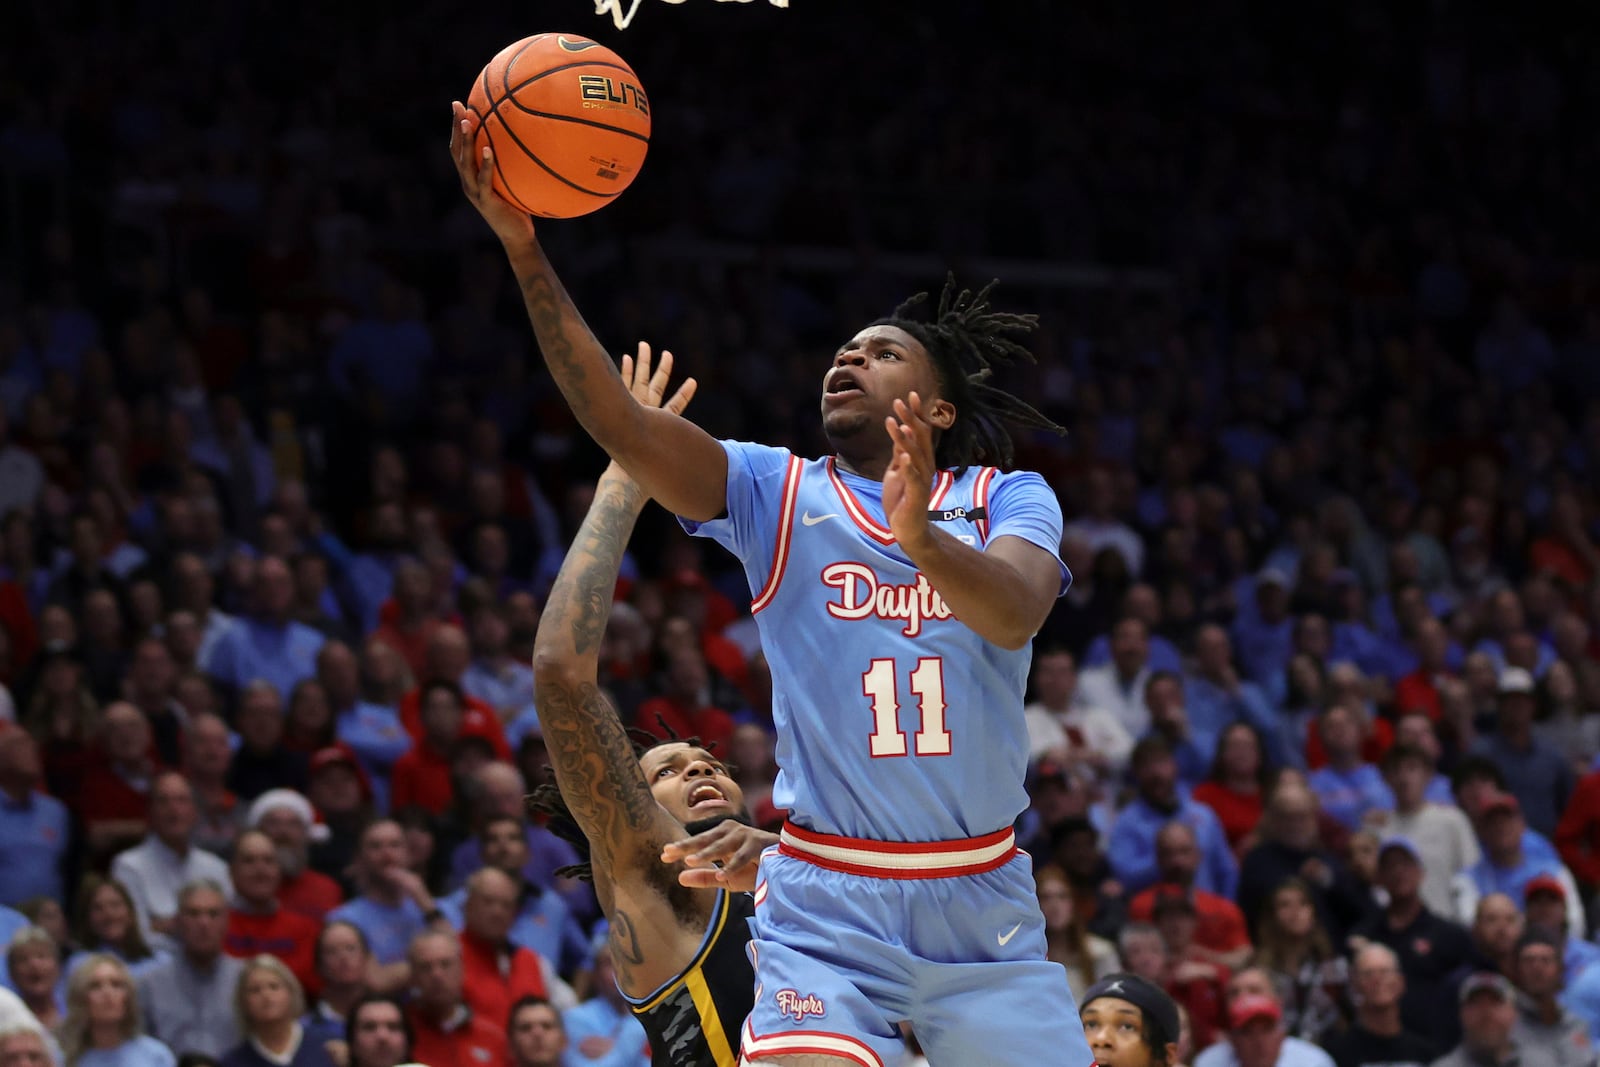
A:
(842, 385)
(705, 794)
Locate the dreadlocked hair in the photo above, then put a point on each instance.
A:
(966, 340)
(547, 803)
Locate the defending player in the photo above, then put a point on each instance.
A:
(897, 588)
(679, 952)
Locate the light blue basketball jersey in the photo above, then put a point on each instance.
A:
(895, 722)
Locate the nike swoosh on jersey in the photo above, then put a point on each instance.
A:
(1006, 937)
(811, 520)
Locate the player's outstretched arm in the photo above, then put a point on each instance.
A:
(593, 757)
(676, 462)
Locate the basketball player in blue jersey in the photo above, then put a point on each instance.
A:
(678, 937)
(897, 587)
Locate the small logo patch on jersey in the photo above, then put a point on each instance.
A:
(1005, 938)
(811, 520)
(797, 1006)
(977, 514)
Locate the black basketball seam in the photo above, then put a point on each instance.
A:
(495, 107)
(557, 70)
(526, 110)
(483, 123)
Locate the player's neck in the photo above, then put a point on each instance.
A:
(871, 467)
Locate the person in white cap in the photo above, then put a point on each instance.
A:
(1536, 774)
(289, 820)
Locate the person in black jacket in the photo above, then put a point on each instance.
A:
(1377, 1036)
(1291, 848)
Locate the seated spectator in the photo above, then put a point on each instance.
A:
(1221, 936)
(1307, 976)
(1429, 947)
(446, 1033)
(536, 1034)
(541, 921)
(114, 798)
(1169, 720)
(287, 819)
(683, 707)
(261, 762)
(1256, 1038)
(156, 870)
(269, 1004)
(1197, 982)
(1376, 1035)
(189, 998)
(1419, 690)
(259, 923)
(1347, 788)
(371, 730)
(343, 966)
(105, 922)
(1156, 802)
(1506, 866)
(1118, 687)
(207, 756)
(1488, 1018)
(1537, 775)
(340, 793)
(497, 972)
(1237, 783)
(1067, 731)
(1216, 696)
(103, 1027)
(1097, 896)
(1415, 730)
(1439, 831)
(1087, 958)
(1545, 907)
(308, 724)
(422, 777)
(378, 1033)
(392, 906)
(603, 1029)
(1543, 1024)
(498, 789)
(1474, 781)
(33, 961)
(494, 676)
(35, 830)
(24, 1046)
(1290, 847)
(447, 657)
(268, 646)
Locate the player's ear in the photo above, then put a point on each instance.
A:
(941, 413)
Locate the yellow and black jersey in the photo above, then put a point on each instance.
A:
(694, 1020)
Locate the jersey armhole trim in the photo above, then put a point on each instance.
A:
(719, 919)
(780, 549)
(980, 499)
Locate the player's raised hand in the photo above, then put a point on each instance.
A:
(909, 479)
(649, 389)
(723, 857)
(476, 171)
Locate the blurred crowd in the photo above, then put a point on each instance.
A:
(283, 484)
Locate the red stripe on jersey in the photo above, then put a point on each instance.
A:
(780, 550)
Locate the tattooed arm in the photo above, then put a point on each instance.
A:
(675, 461)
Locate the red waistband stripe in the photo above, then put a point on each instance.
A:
(898, 859)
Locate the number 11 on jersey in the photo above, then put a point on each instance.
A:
(881, 685)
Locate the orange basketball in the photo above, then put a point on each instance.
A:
(568, 122)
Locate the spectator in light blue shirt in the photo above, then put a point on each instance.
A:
(605, 1026)
(535, 1032)
(1537, 775)
(394, 905)
(1216, 697)
(1263, 632)
(494, 676)
(1140, 602)
(34, 827)
(372, 731)
(103, 1027)
(269, 646)
(1347, 788)
(1158, 801)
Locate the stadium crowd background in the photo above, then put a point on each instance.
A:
(1321, 313)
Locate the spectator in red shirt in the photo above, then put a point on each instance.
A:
(1419, 690)
(413, 621)
(257, 922)
(287, 818)
(684, 707)
(1237, 783)
(1578, 834)
(449, 655)
(422, 776)
(1220, 934)
(447, 1032)
(498, 973)
(115, 799)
